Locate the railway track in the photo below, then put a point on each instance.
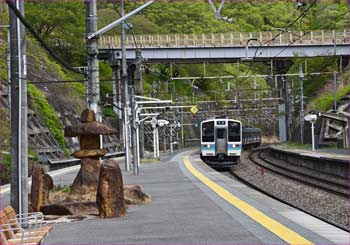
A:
(322, 181)
(257, 157)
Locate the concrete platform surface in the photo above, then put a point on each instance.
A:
(337, 154)
(188, 207)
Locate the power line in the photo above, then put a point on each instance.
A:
(285, 29)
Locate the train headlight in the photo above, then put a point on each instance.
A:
(208, 146)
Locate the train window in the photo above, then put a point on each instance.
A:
(208, 132)
(220, 133)
(220, 123)
(234, 131)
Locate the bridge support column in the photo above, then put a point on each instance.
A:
(282, 67)
(282, 123)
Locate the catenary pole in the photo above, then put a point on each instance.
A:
(301, 77)
(18, 108)
(126, 93)
(140, 93)
(93, 64)
(335, 90)
(134, 142)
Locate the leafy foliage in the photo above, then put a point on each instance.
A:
(51, 119)
(62, 25)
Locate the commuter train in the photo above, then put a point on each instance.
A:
(222, 141)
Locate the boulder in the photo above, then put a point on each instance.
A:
(134, 195)
(36, 196)
(47, 187)
(89, 153)
(70, 208)
(88, 176)
(110, 193)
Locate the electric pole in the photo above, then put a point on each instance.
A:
(93, 65)
(117, 105)
(335, 90)
(140, 92)
(126, 92)
(18, 107)
(301, 77)
(135, 154)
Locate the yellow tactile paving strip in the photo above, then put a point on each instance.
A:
(272, 225)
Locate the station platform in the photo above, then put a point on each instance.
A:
(324, 153)
(194, 204)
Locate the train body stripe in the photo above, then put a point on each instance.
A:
(272, 225)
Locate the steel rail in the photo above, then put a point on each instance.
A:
(232, 173)
(318, 182)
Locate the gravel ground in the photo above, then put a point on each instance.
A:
(325, 205)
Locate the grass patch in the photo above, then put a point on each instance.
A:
(51, 119)
(109, 112)
(294, 145)
(325, 101)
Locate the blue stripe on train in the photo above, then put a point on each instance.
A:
(236, 148)
(205, 148)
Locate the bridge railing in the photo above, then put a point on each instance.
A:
(318, 37)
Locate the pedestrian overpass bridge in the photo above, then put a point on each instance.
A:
(227, 47)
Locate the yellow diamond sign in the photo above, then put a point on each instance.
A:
(194, 109)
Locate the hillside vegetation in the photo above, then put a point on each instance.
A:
(62, 26)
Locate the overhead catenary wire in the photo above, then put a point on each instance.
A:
(284, 30)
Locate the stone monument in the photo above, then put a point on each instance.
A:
(89, 132)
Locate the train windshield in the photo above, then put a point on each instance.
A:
(234, 131)
(208, 132)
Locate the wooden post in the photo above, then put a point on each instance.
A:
(322, 36)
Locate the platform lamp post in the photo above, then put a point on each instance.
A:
(312, 119)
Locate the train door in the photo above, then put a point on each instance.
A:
(221, 141)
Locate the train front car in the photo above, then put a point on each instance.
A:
(221, 142)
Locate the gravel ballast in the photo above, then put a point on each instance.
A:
(328, 206)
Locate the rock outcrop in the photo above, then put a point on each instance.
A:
(110, 193)
(36, 196)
